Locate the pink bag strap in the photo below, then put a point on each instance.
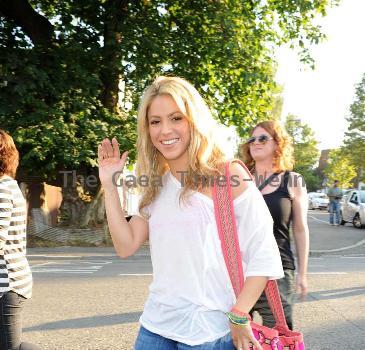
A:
(274, 299)
(227, 230)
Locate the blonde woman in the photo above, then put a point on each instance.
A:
(191, 303)
(268, 153)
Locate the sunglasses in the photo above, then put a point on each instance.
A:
(262, 139)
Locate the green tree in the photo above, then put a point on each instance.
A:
(354, 143)
(63, 63)
(306, 153)
(340, 168)
(277, 103)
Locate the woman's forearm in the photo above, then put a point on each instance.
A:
(301, 238)
(250, 293)
(120, 230)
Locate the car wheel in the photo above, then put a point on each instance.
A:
(356, 221)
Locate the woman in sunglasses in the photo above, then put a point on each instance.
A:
(268, 153)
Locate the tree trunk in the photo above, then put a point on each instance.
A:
(94, 213)
(78, 210)
(115, 12)
(37, 27)
(72, 206)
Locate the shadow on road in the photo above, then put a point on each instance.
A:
(334, 294)
(87, 322)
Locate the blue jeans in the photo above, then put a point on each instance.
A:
(11, 305)
(335, 210)
(147, 340)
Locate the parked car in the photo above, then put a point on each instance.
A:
(317, 200)
(353, 208)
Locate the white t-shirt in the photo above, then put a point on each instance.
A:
(191, 290)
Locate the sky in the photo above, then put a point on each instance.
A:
(321, 97)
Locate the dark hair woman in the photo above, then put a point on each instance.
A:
(15, 274)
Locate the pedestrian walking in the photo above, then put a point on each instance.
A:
(16, 277)
(191, 302)
(335, 195)
(268, 153)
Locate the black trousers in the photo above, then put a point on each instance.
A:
(287, 294)
(11, 305)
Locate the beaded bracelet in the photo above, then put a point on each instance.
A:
(241, 313)
(238, 320)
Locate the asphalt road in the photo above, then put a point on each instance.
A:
(90, 299)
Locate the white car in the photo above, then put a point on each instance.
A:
(353, 208)
(317, 200)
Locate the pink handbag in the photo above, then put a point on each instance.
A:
(280, 337)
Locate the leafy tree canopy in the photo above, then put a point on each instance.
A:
(306, 153)
(64, 66)
(354, 144)
(340, 168)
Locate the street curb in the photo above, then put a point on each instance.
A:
(337, 249)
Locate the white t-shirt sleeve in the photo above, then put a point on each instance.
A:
(258, 246)
(135, 209)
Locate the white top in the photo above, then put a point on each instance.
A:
(15, 273)
(191, 290)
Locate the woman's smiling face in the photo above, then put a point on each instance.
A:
(168, 128)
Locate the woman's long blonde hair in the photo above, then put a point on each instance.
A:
(205, 156)
(283, 157)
